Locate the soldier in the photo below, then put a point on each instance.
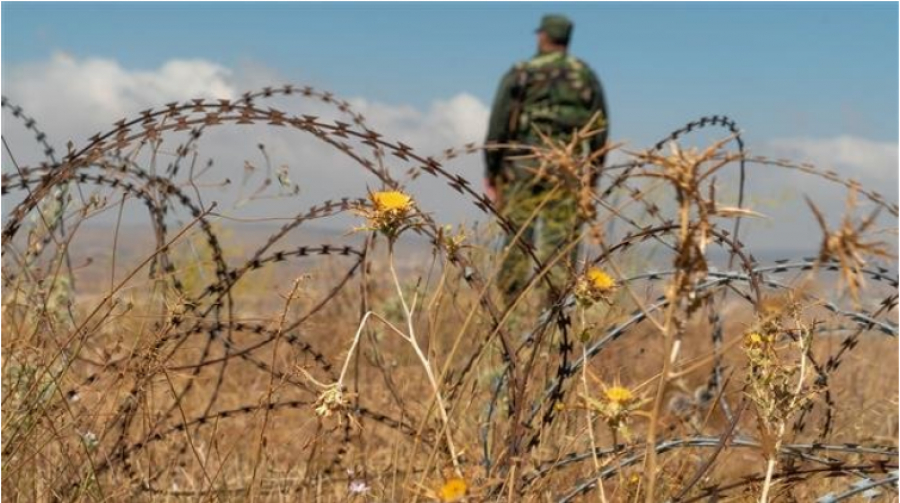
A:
(553, 94)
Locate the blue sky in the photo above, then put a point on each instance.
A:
(807, 69)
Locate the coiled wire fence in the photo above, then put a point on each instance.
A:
(158, 405)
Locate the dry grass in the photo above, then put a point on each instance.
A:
(196, 362)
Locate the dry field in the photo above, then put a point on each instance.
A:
(186, 358)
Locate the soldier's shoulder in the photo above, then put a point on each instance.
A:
(542, 60)
(516, 68)
(585, 70)
(579, 64)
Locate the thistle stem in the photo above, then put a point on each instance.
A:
(601, 493)
(770, 466)
(425, 363)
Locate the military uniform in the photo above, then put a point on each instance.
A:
(556, 94)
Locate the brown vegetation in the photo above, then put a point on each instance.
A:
(216, 367)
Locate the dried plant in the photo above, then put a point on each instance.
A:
(172, 368)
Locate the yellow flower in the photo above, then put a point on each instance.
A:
(391, 201)
(600, 280)
(391, 212)
(619, 395)
(595, 284)
(453, 490)
(756, 339)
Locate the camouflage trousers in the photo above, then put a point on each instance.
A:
(553, 220)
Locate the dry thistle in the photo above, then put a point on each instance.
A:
(452, 242)
(690, 172)
(777, 381)
(770, 377)
(330, 401)
(686, 170)
(570, 163)
(847, 246)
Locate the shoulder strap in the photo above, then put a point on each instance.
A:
(520, 85)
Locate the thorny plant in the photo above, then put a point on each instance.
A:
(847, 245)
(777, 383)
(135, 385)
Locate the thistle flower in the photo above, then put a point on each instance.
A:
(390, 212)
(619, 395)
(759, 346)
(391, 201)
(600, 280)
(614, 406)
(755, 339)
(453, 489)
(594, 285)
(617, 403)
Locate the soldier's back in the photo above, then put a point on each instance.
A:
(557, 92)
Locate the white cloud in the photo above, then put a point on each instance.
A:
(854, 156)
(73, 98)
(446, 123)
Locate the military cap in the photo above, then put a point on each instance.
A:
(557, 27)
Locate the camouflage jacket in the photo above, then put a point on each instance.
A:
(554, 92)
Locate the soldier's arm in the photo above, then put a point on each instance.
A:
(498, 126)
